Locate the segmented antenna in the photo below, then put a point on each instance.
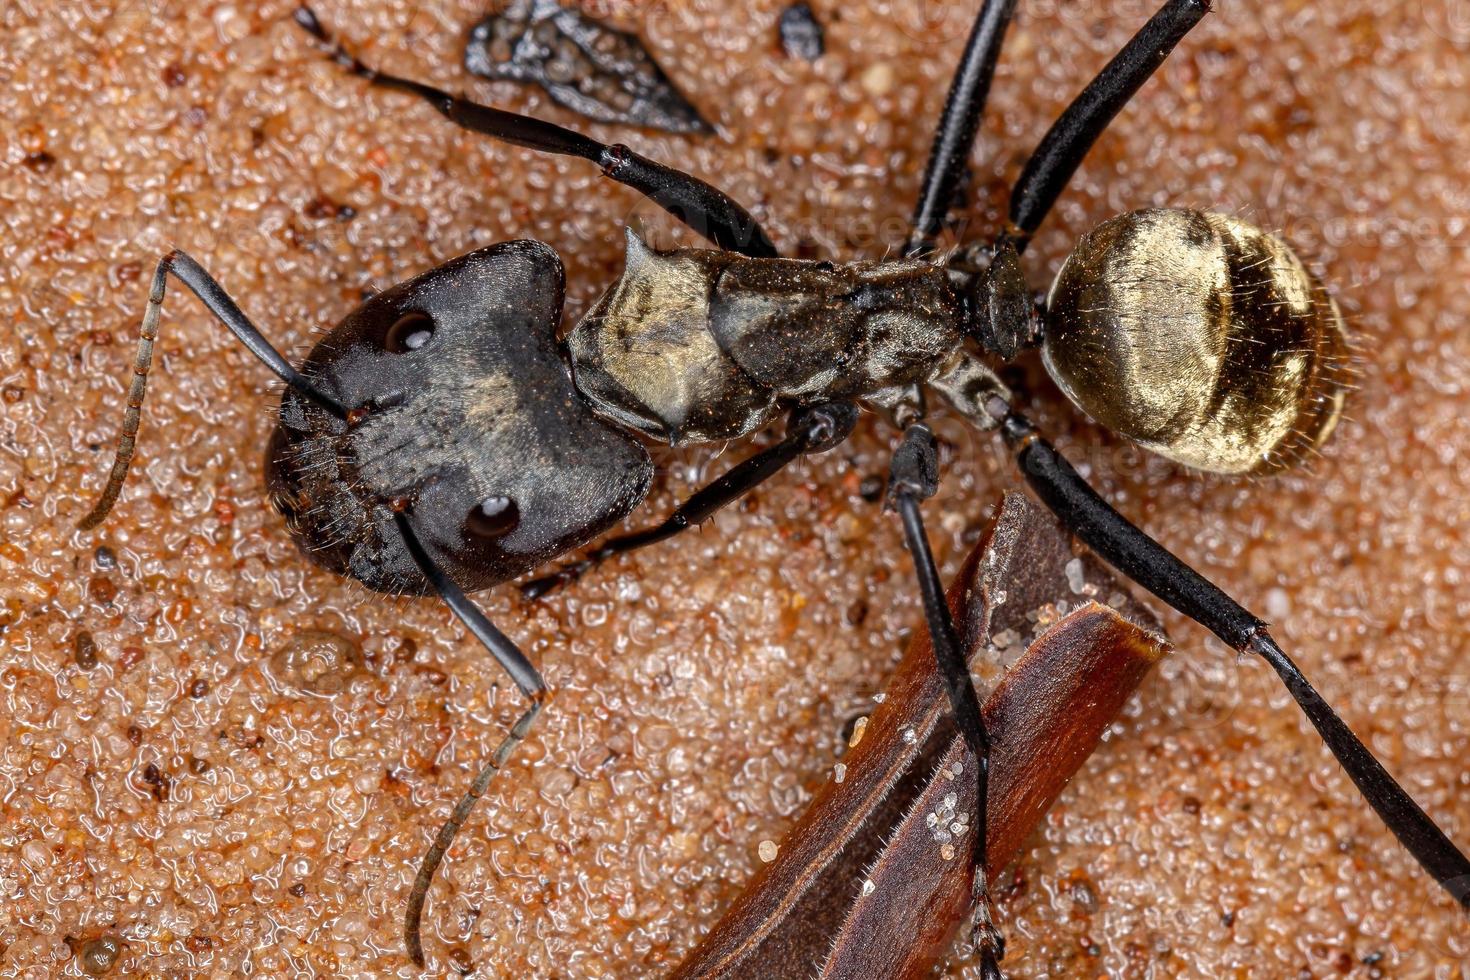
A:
(412, 919)
(213, 296)
(133, 413)
(525, 676)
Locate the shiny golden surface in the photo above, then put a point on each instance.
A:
(1199, 336)
(702, 688)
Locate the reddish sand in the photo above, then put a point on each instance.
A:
(223, 800)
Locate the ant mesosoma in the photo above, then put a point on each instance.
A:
(442, 439)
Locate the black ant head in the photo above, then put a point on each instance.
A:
(462, 412)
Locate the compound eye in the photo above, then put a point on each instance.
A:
(410, 332)
(493, 517)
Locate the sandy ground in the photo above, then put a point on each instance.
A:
(224, 804)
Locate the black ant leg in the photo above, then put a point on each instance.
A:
(214, 297)
(912, 479)
(525, 676)
(950, 152)
(1152, 566)
(810, 430)
(1061, 150)
(705, 209)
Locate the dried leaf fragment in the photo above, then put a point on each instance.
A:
(874, 878)
(604, 74)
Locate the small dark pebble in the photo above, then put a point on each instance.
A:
(324, 207)
(198, 766)
(105, 558)
(459, 958)
(84, 649)
(1227, 919)
(297, 889)
(199, 688)
(99, 955)
(1191, 805)
(135, 735)
(158, 780)
(173, 76)
(1084, 897)
(101, 589)
(40, 162)
(1374, 958)
(871, 489)
(801, 33)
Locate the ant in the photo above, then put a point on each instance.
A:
(442, 438)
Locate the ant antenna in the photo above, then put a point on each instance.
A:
(525, 676)
(214, 297)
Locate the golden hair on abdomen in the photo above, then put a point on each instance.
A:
(1201, 337)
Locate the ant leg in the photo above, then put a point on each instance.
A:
(1061, 150)
(1152, 566)
(214, 297)
(912, 479)
(810, 430)
(705, 209)
(953, 141)
(525, 676)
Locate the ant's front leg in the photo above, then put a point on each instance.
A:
(810, 431)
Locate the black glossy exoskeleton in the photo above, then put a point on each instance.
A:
(463, 404)
(443, 439)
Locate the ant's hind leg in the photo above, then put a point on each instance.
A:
(704, 208)
(1128, 549)
(810, 431)
(912, 479)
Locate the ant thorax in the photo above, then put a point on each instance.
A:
(700, 346)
